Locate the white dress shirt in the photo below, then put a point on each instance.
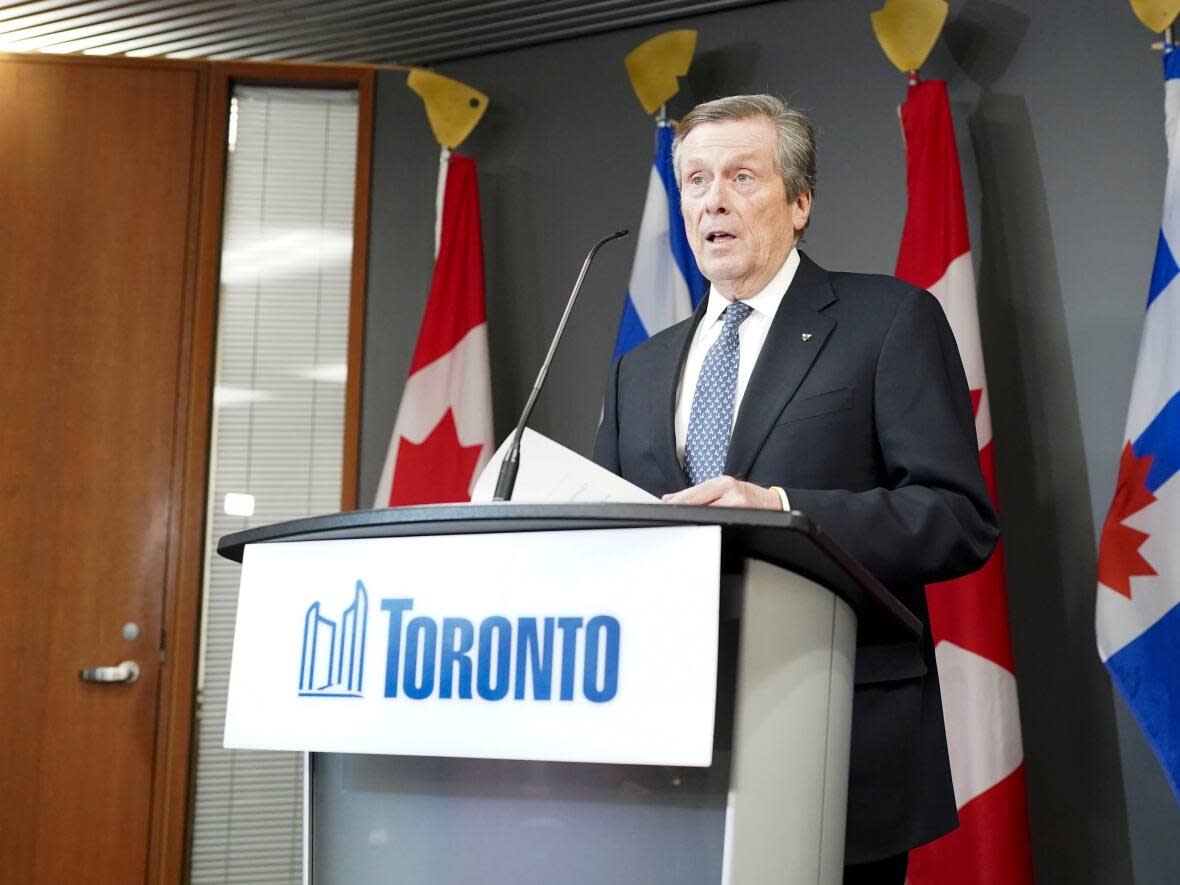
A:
(751, 336)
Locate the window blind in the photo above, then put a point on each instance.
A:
(278, 429)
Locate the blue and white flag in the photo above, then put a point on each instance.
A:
(1138, 610)
(666, 285)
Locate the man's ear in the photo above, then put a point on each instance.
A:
(801, 211)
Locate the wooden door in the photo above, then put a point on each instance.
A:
(98, 167)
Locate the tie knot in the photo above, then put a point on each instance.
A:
(736, 313)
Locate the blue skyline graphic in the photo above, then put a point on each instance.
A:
(333, 657)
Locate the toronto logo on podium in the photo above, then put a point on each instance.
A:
(536, 658)
(333, 661)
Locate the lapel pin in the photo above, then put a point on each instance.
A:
(806, 336)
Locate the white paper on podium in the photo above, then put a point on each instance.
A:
(549, 472)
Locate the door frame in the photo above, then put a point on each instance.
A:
(175, 768)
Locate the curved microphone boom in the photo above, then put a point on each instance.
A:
(511, 464)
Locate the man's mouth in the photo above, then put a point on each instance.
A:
(719, 237)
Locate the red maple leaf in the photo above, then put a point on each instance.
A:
(437, 470)
(976, 399)
(1118, 555)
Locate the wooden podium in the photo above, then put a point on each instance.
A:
(767, 807)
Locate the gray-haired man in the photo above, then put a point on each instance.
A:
(839, 395)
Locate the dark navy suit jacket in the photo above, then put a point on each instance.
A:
(859, 409)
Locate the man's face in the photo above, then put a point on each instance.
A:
(739, 222)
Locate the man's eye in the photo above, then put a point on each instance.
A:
(697, 180)
(742, 176)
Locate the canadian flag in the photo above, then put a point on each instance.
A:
(442, 437)
(969, 616)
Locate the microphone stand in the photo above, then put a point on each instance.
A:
(506, 481)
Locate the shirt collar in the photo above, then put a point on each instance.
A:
(765, 301)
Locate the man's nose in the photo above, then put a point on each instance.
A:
(717, 198)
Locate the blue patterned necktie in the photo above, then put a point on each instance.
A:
(711, 419)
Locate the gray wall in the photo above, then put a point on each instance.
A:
(1059, 109)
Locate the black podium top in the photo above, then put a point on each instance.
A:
(789, 540)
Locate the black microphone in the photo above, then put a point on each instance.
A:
(511, 464)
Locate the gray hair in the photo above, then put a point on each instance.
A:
(796, 138)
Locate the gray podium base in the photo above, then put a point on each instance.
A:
(769, 811)
(789, 785)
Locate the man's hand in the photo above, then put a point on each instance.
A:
(725, 491)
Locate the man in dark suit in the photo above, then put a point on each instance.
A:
(839, 395)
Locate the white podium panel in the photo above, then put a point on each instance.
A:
(580, 646)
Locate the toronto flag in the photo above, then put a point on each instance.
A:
(1138, 608)
(666, 285)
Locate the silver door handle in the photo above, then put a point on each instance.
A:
(127, 671)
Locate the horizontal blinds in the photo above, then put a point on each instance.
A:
(278, 430)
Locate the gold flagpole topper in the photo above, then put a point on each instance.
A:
(655, 65)
(908, 29)
(453, 108)
(1156, 15)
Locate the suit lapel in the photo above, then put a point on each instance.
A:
(666, 382)
(795, 339)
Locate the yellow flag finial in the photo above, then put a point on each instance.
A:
(654, 65)
(908, 29)
(453, 108)
(1156, 15)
